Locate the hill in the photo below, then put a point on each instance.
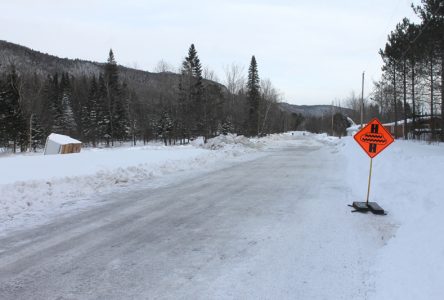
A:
(29, 61)
(315, 110)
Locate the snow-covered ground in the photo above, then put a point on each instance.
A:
(35, 187)
(398, 256)
(407, 182)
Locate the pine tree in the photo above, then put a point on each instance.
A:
(118, 116)
(103, 116)
(4, 113)
(164, 128)
(112, 73)
(253, 96)
(90, 112)
(226, 127)
(37, 133)
(191, 93)
(53, 103)
(68, 123)
(14, 121)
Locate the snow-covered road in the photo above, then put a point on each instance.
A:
(273, 228)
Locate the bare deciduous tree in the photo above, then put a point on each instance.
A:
(162, 66)
(234, 78)
(209, 74)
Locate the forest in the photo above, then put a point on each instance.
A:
(111, 105)
(410, 92)
(104, 104)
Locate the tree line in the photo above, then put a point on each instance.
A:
(411, 89)
(106, 109)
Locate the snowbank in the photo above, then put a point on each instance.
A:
(231, 141)
(406, 182)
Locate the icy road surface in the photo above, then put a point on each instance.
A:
(273, 228)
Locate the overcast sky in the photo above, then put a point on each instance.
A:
(313, 51)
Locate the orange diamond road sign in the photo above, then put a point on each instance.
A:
(373, 138)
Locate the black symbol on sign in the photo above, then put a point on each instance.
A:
(374, 128)
(372, 147)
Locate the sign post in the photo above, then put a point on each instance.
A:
(373, 138)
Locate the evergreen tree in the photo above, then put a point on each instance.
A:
(14, 127)
(165, 127)
(120, 116)
(103, 115)
(89, 114)
(4, 114)
(226, 127)
(54, 105)
(191, 93)
(117, 114)
(68, 122)
(37, 133)
(111, 73)
(253, 95)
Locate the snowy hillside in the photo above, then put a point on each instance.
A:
(315, 110)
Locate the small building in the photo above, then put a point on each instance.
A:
(398, 130)
(421, 129)
(61, 144)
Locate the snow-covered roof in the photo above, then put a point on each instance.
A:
(409, 120)
(62, 139)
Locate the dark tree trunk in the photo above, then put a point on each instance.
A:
(404, 82)
(442, 92)
(413, 98)
(395, 100)
(432, 123)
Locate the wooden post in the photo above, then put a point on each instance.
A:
(369, 179)
(362, 101)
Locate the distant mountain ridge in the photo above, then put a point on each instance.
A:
(315, 110)
(29, 61)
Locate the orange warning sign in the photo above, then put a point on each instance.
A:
(373, 138)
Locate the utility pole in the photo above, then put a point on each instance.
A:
(332, 120)
(362, 101)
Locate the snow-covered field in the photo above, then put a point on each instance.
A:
(407, 183)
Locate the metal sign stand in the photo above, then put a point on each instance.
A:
(368, 206)
(373, 138)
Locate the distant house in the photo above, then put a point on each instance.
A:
(61, 144)
(396, 131)
(422, 128)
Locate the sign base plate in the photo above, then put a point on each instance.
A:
(375, 208)
(372, 206)
(360, 206)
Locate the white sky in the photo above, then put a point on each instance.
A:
(313, 51)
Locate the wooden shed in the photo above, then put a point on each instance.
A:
(61, 144)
